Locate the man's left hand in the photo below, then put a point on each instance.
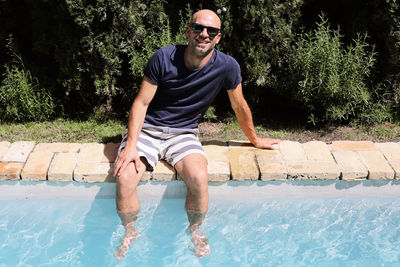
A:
(265, 143)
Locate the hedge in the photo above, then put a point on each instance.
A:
(88, 56)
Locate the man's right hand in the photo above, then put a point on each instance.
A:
(126, 156)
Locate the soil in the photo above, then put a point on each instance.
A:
(379, 133)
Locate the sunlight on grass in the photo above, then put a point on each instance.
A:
(383, 132)
(111, 131)
(63, 131)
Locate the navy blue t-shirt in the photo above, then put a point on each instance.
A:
(183, 95)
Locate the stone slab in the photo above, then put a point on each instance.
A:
(94, 172)
(318, 151)
(271, 165)
(57, 147)
(218, 163)
(243, 164)
(3, 148)
(163, 172)
(218, 171)
(352, 145)
(18, 151)
(292, 151)
(391, 151)
(146, 176)
(376, 164)
(36, 166)
(313, 170)
(241, 144)
(10, 170)
(62, 167)
(395, 164)
(350, 165)
(110, 152)
(91, 152)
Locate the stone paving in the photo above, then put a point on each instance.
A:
(234, 160)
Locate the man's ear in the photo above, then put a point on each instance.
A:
(218, 38)
(187, 32)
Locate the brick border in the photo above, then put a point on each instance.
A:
(234, 160)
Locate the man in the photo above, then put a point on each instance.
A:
(179, 85)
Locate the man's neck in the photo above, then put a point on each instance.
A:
(193, 62)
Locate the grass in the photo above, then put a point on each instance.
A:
(63, 131)
(230, 130)
(111, 130)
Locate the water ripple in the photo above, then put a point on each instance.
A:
(280, 232)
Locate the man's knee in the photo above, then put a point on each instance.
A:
(129, 177)
(199, 183)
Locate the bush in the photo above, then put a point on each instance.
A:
(22, 98)
(265, 31)
(116, 38)
(327, 79)
(159, 35)
(90, 54)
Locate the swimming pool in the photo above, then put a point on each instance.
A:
(298, 225)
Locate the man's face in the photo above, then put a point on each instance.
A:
(201, 44)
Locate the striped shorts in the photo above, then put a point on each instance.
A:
(170, 144)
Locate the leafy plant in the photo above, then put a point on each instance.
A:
(269, 30)
(21, 97)
(329, 80)
(210, 114)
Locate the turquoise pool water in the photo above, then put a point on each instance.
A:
(262, 232)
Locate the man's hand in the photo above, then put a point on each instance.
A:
(126, 156)
(265, 143)
(245, 119)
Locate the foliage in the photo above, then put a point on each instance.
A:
(393, 79)
(159, 35)
(21, 97)
(109, 32)
(89, 55)
(210, 114)
(394, 30)
(265, 32)
(328, 80)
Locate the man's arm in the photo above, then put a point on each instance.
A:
(135, 123)
(245, 119)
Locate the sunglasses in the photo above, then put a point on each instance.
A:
(198, 28)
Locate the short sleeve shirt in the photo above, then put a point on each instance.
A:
(183, 96)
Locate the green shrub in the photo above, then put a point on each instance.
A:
(116, 38)
(90, 54)
(159, 35)
(265, 30)
(210, 114)
(22, 98)
(393, 79)
(394, 31)
(327, 79)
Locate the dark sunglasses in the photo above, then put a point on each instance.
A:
(198, 28)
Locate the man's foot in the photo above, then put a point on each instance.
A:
(200, 241)
(130, 235)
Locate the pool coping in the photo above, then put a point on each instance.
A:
(227, 161)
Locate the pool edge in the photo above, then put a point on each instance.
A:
(225, 190)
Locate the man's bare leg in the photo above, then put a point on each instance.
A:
(193, 170)
(128, 205)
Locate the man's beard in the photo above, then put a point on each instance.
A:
(202, 53)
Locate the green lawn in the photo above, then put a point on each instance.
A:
(110, 131)
(63, 131)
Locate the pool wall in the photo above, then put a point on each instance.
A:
(217, 190)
